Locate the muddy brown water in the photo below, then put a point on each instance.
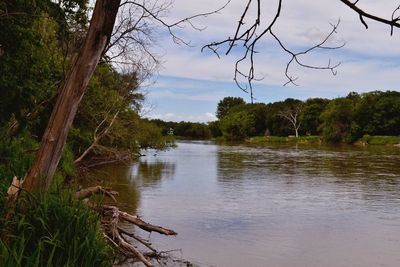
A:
(276, 205)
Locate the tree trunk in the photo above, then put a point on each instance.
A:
(43, 168)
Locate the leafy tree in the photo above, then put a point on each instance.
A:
(215, 128)
(31, 63)
(237, 126)
(378, 113)
(259, 111)
(337, 120)
(226, 104)
(310, 115)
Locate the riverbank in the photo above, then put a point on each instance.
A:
(365, 140)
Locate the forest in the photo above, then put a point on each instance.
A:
(345, 119)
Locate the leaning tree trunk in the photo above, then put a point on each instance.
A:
(42, 170)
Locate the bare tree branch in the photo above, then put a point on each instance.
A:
(247, 39)
(394, 22)
(248, 35)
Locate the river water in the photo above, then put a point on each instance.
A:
(284, 206)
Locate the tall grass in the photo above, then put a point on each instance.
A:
(54, 231)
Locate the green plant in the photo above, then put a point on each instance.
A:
(54, 231)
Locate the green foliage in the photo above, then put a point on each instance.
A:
(237, 125)
(16, 155)
(150, 136)
(109, 114)
(259, 111)
(378, 113)
(337, 120)
(54, 231)
(31, 66)
(311, 114)
(343, 119)
(226, 104)
(215, 129)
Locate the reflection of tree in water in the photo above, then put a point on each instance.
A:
(373, 171)
(236, 164)
(116, 176)
(151, 173)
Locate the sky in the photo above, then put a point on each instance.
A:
(190, 83)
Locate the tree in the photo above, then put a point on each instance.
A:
(378, 113)
(42, 170)
(30, 63)
(237, 126)
(259, 111)
(311, 113)
(291, 113)
(337, 120)
(226, 104)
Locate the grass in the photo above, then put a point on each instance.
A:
(366, 139)
(54, 231)
(380, 140)
(280, 139)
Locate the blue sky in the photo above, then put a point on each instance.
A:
(189, 83)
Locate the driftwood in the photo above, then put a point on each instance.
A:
(96, 190)
(112, 217)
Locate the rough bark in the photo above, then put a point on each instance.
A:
(42, 170)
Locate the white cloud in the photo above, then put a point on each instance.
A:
(196, 97)
(301, 24)
(370, 59)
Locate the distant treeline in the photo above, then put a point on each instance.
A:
(343, 119)
(190, 130)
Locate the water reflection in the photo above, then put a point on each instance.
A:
(283, 206)
(150, 172)
(117, 177)
(370, 173)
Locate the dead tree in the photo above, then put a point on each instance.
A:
(292, 115)
(44, 166)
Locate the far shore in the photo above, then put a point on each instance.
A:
(365, 140)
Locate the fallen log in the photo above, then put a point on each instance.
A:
(96, 190)
(112, 216)
(142, 224)
(111, 229)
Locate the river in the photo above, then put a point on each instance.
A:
(277, 205)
